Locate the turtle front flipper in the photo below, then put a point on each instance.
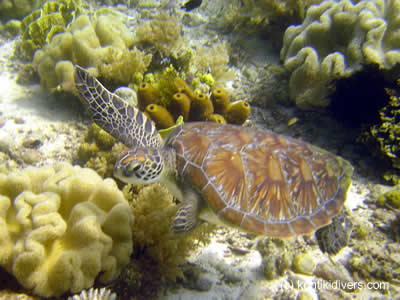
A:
(186, 218)
(123, 121)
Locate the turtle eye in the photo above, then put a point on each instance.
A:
(133, 167)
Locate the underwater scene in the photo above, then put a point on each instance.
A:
(189, 149)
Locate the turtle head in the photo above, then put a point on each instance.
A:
(139, 166)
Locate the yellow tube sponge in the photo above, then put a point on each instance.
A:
(201, 107)
(180, 105)
(147, 95)
(237, 112)
(160, 115)
(181, 87)
(217, 118)
(220, 100)
(62, 227)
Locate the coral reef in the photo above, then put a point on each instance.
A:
(100, 137)
(303, 263)
(15, 9)
(104, 45)
(12, 27)
(383, 138)
(99, 151)
(390, 199)
(252, 17)
(43, 23)
(277, 256)
(168, 96)
(154, 210)
(62, 227)
(124, 66)
(101, 43)
(376, 260)
(375, 245)
(163, 33)
(211, 61)
(9, 295)
(335, 40)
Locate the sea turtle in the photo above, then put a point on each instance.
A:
(250, 178)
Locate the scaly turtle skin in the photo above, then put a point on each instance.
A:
(332, 238)
(249, 178)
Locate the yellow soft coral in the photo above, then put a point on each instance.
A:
(163, 33)
(99, 151)
(62, 227)
(214, 60)
(154, 210)
(122, 66)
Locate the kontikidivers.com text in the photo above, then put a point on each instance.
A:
(337, 284)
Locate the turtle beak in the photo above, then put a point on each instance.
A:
(121, 167)
(119, 172)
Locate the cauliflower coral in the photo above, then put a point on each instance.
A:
(335, 40)
(62, 227)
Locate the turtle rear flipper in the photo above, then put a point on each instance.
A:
(113, 114)
(335, 236)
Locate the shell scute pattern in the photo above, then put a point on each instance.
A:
(258, 180)
(269, 193)
(194, 148)
(226, 174)
(325, 176)
(214, 200)
(231, 139)
(302, 185)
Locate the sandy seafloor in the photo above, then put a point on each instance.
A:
(230, 267)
